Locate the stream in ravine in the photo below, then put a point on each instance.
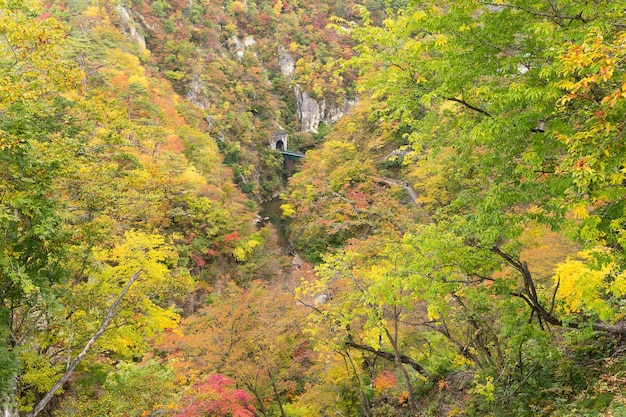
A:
(271, 212)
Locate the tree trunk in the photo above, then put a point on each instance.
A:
(393, 339)
(365, 404)
(8, 400)
(258, 397)
(70, 369)
(276, 394)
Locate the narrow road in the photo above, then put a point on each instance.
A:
(408, 188)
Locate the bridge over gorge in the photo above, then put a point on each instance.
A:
(279, 143)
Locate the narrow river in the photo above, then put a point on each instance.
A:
(271, 212)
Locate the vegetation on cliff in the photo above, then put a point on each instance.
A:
(460, 233)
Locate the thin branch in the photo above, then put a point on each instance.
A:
(556, 17)
(70, 369)
(558, 284)
(531, 298)
(469, 106)
(389, 356)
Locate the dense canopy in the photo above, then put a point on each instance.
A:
(455, 235)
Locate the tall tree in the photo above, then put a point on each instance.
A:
(33, 242)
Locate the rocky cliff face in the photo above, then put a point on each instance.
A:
(130, 27)
(309, 111)
(241, 45)
(286, 62)
(252, 67)
(197, 92)
(312, 112)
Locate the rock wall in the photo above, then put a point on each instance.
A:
(197, 93)
(130, 27)
(286, 62)
(312, 112)
(309, 112)
(241, 45)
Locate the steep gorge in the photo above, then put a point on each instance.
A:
(461, 228)
(254, 69)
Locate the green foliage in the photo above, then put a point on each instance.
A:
(426, 210)
(133, 389)
(507, 117)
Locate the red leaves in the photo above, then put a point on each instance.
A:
(198, 260)
(385, 381)
(234, 236)
(216, 396)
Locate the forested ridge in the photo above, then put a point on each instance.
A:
(456, 229)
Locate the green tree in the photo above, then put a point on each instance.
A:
(510, 116)
(33, 241)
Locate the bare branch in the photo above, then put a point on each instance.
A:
(389, 356)
(530, 297)
(70, 369)
(469, 106)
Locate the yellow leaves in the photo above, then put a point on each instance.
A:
(433, 312)
(486, 389)
(244, 249)
(126, 62)
(93, 11)
(140, 251)
(582, 288)
(278, 7)
(440, 41)
(418, 15)
(594, 62)
(30, 64)
(238, 7)
(580, 211)
(618, 286)
(462, 361)
(158, 319)
(138, 80)
(36, 370)
(288, 210)
(192, 178)
(146, 312)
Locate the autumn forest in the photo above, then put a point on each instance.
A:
(280, 208)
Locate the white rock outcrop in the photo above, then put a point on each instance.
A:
(130, 27)
(312, 112)
(335, 113)
(197, 93)
(286, 62)
(241, 45)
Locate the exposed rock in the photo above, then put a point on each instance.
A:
(241, 45)
(197, 92)
(308, 110)
(297, 261)
(130, 27)
(249, 41)
(144, 23)
(311, 112)
(335, 113)
(286, 62)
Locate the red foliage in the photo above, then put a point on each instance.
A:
(174, 144)
(198, 260)
(216, 396)
(385, 381)
(231, 237)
